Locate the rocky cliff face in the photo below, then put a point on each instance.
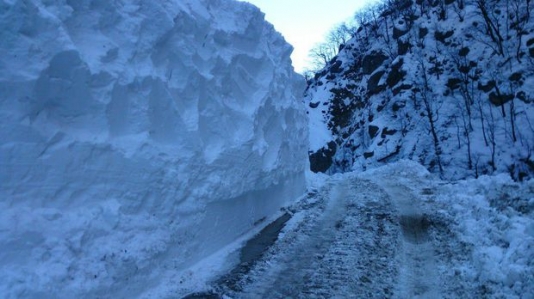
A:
(448, 83)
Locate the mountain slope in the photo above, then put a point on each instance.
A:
(447, 83)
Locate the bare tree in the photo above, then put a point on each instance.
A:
(459, 8)
(321, 54)
(431, 112)
(340, 34)
(492, 137)
(491, 22)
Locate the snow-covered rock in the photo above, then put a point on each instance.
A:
(137, 137)
(446, 83)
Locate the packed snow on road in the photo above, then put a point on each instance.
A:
(393, 232)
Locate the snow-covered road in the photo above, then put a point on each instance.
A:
(369, 239)
(395, 232)
(380, 235)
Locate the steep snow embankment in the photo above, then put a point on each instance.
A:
(138, 137)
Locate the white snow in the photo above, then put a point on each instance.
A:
(495, 215)
(320, 135)
(475, 141)
(347, 239)
(137, 138)
(144, 142)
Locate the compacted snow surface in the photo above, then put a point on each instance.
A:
(397, 232)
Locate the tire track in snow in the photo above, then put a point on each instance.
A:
(433, 260)
(296, 277)
(417, 261)
(363, 237)
(344, 251)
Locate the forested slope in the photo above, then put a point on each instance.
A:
(447, 83)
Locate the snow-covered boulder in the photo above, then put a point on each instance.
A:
(138, 136)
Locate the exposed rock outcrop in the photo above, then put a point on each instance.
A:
(449, 83)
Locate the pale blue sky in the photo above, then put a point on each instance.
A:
(305, 23)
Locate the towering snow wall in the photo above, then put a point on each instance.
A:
(136, 136)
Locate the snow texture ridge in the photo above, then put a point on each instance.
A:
(446, 83)
(138, 137)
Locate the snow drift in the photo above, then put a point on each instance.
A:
(137, 137)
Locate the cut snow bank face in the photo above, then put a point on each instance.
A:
(138, 136)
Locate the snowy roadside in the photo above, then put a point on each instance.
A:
(398, 232)
(495, 216)
(485, 227)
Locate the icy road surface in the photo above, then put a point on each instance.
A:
(372, 236)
